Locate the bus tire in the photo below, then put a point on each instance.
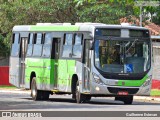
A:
(128, 100)
(74, 89)
(79, 97)
(35, 94)
(45, 95)
(87, 98)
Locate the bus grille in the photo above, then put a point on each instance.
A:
(129, 90)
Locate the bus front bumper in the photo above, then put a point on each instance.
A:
(114, 90)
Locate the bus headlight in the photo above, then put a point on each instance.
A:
(147, 82)
(97, 79)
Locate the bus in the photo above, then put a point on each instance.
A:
(85, 60)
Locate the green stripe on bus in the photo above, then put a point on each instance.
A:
(54, 28)
(132, 83)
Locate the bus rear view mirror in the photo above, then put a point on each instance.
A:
(91, 44)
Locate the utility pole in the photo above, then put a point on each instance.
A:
(145, 3)
(140, 16)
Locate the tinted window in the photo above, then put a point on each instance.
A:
(39, 38)
(48, 38)
(68, 39)
(15, 50)
(37, 50)
(29, 50)
(67, 51)
(78, 39)
(30, 39)
(16, 38)
(77, 50)
(72, 49)
(139, 33)
(108, 32)
(46, 50)
(15, 45)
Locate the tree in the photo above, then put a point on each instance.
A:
(151, 13)
(30, 12)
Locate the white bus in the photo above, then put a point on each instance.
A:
(85, 60)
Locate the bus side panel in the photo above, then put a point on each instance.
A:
(66, 68)
(48, 70)
(14, 71)
(62, 75)
(71, 71)
(28, 71)
(80, 73)
(35, 65)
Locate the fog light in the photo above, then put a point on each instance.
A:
(97, 88)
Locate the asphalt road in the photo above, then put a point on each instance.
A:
(23, 101)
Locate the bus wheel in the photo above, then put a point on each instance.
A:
(128, 100)
(79, 97)
(87, 98)
(36, 94)
(44, 95)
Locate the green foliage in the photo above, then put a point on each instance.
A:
(154, 11)
(4, 50)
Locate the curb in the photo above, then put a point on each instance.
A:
(19, 91)
(149, 98)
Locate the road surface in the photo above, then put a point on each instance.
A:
(23, 101)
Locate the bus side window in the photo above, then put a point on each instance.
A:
(68, 39)
(15, 45)
(37, 48)
(30, 45)
(77, 47)
(48, 38)
(39, 38)
(31, 36)
(16, 38)
(67, 46)
(78, 39)
(47, 45)
(46, 50)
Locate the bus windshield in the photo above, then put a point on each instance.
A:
(122, 56)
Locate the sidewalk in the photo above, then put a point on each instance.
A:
(19, 91)
(148, 98)
(23, 91)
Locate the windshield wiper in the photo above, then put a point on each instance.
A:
(131, 45)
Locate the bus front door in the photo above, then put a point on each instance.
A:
(87, 66)
(56, 47)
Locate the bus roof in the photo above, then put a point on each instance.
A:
(44, 28)
(66, 27)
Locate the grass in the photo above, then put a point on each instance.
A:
(155, 92)
(7, 87)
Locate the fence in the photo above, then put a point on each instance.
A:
(4, 75)
(156, 60)
(4, 68)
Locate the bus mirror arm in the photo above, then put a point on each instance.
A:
(91, 45)
(70, 55)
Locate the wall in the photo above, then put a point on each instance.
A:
(4, 75)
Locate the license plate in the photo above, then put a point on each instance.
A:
(122, 93)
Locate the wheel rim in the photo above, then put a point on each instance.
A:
(34, 90)
(77, 93)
